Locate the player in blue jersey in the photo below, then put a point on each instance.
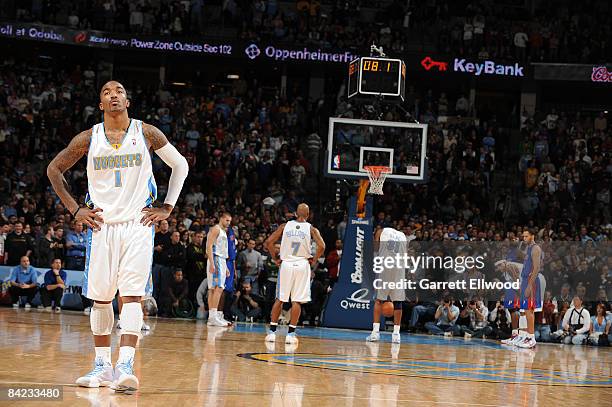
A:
(531, 296)
(231, 268)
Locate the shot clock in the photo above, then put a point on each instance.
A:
(377, 76)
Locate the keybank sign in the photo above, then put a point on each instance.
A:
(487, 68)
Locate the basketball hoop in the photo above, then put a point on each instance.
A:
(377, 175)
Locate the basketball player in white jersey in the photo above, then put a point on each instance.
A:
(216, 268)
(389, 242)
(120, 218)
(294, 273)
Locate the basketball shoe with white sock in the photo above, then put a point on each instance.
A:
(528, 342)
(510, 341)
(213, 320)
(291, 339)
(373, 337)
(100, 376)
(271, 336)
(396, 338)
(125, 380)
(221, 317)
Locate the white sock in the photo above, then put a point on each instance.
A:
(104, 353)
(213, 311)
(126, 354)
(515, 332)
(396, 329)
(375, 326)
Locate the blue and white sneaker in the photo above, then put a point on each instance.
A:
(125, 380)
(100, 376)
(291, 339)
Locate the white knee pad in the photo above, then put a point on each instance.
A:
(131, 318)
(101, 319)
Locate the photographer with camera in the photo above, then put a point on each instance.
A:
(576, 324)
(244, 306)
(445, 318)
(500, 319)
(477, 314)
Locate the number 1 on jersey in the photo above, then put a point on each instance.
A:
(117, 178)
(295, 246)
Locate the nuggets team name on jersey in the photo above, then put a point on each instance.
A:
(117, 161)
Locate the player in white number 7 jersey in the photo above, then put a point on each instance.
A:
(294, 273)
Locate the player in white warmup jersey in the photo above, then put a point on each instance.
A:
(120, 217)
(389, 242)
(294, 273)
(216, 268)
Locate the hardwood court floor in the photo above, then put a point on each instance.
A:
(183, 363)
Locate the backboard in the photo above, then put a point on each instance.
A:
(354, 144)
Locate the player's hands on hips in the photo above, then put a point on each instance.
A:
(277, 261)
(90, 217)
(312, 261)
(154, 215)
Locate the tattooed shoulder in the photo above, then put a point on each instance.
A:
(77, 148)
(154, 136)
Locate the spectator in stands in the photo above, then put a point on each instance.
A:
(271, 274)
(59, 244)
(54, 286)
(176, 291)
(16, 246)
(600, 327)
(202, 300)
(333, 262)
(161, 241)
(44, 250)
(564, 295)
(250, 264)
(76, 247)
(520, 44)
(445, 317)
(244, 306)
(4, 231)
(195, 265)
(172, 257)
(24, 282)
(546, 319)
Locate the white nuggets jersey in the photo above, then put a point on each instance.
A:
(220, 245)
(295, 243)
(392, 242)
(120, 177)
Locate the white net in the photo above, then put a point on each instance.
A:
(377, 175)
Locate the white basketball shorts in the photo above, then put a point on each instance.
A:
(216, 277)
(389, 294)
(294, 281)
(119, 256)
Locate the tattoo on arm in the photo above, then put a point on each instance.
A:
(154, 136)
(66, 158)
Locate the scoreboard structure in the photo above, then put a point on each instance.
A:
(372, 76)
